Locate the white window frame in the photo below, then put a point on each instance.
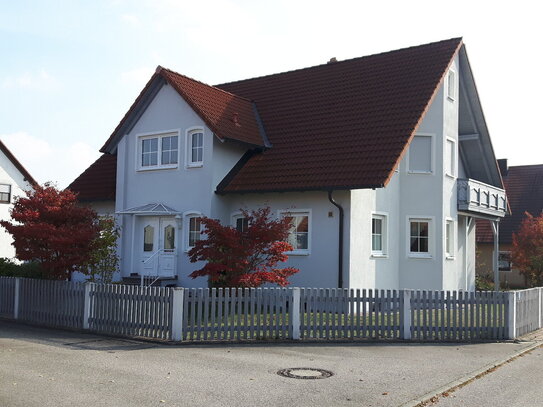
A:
(383, 253)
(9, 193)
(299, 252)
(187, 216)
(188, 143)
(419, 218)
(158, 135)
(432, 155)
(451, 91)
(454, 163)
(452, 238)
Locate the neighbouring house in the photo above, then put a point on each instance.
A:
(524, 188)
(381, 162)
(14, 181)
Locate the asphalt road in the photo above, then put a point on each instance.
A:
(41, 367)
(518, 383)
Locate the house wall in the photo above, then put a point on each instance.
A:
(9, 174)
(183, 189)
(508, 279)
(414, 195)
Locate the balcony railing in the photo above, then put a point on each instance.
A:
(478, 197)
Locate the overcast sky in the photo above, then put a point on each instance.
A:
(70, 69)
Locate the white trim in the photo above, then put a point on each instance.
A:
(450, 255)
(454, 158)
(432, 155)
(158, 135)
(187, 215)
(299, 252)
(188, 147)
(452, 97)
(383, 253)
(431, 236)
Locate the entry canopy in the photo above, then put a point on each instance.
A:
(156, 209)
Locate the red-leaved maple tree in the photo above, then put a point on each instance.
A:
(49, 228)
(527, 252)
(247, 257)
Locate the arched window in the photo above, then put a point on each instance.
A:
(169, 238)
(148, 238)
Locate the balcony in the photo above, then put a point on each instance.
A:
(479, 198)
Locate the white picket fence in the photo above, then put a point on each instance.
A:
(236, 314)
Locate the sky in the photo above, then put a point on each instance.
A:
(70, 69)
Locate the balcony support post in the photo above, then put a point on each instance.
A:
(495, 257)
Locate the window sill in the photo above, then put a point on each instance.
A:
(421, 172)
(155, 168)
(450, 258)
(195, 165)
(298, 253)
(451, 176)
(379, 256)
(419, 256)
(451, 99)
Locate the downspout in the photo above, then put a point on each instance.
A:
(340, 248)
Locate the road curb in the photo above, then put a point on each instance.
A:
(454, 385)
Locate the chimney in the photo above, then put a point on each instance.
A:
(332, 60)
(504, 168)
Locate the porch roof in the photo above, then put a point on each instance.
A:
(150, 209)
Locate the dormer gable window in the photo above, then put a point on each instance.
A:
(158, 150)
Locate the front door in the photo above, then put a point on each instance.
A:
(158, 246)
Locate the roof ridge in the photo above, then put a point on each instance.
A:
(459, 39)
(525, 165)
(161, 68)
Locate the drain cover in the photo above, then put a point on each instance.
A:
(305, 373)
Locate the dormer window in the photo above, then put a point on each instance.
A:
(158, 151)
(195, 148)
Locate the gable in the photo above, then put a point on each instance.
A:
(14, 169)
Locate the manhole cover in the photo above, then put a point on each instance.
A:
(305, 373)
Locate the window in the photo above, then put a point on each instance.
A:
(450, 158)
(420, 155)
(504, 261)
(242, 224)
(5, 193)
(148, 238)
(158, 151)
(419, 237)
(195, 148)
(449, 238)
(378, 235)
(169, 238)
(451, 85)
(195, 231)
(299, 236)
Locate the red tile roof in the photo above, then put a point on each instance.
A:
(229, 116)
(97, 183)
(17, 164)
(341, 125)
(524, 188)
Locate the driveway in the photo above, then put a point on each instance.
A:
(42, 367)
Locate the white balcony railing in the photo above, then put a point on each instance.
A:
(476, 196)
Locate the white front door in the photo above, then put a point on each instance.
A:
(158, 245)
(168, 247)
(149, 232)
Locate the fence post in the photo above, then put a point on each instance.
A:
(512, 315)
(406, 312)
(86, 305)
(295, 313)
(539, 322)
(17, 292)
(177, 313)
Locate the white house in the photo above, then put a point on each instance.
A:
(14, 181)
(381, 161)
